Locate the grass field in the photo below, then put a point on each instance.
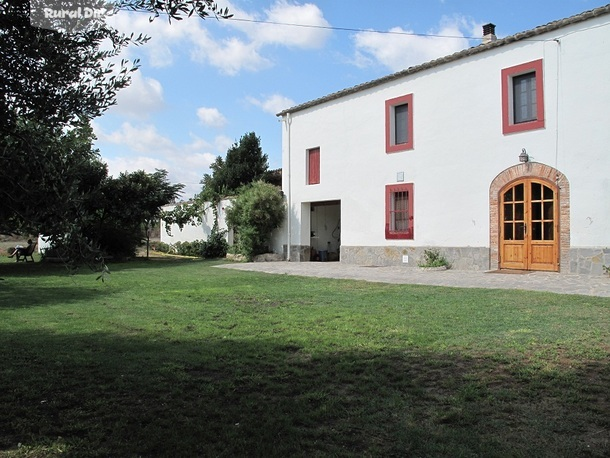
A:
(175, 358)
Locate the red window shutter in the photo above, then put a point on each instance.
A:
(314, 166)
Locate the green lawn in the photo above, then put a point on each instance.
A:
(176, 358)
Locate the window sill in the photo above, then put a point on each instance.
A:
(523, 127)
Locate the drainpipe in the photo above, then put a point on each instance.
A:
(288, 122)
(557, 103)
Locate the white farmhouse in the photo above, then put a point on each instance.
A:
(498, 155)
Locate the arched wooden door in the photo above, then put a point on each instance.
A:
(529, 226)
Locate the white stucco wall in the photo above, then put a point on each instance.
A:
(197, 231)
(459, 146)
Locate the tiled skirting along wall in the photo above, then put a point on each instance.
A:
(463, 258)
(587, 261)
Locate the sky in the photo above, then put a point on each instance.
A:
(203, 84)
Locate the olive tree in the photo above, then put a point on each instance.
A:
(52, 84)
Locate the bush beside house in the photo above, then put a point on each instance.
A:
(256, 212)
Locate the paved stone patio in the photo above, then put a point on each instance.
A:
(591, 285)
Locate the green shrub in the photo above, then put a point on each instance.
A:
(433, 258)
(161, 247)
(256, 211)
(194, 248)
(216, 246)
(118, 242)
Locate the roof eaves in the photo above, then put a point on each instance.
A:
(551, 26)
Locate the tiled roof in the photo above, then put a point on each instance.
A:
(551, 26)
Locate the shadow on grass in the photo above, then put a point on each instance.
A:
(29, 269)
(15, 296)
(109, 395)
(29, 285)
(42, 268)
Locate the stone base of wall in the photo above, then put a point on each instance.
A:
(589, 261)
(462, 258)
(586, 261)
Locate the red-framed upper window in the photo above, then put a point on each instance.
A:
(399, 211)
(313, 166)
(522, 97)
(399, 124)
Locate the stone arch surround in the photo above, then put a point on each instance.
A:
(530, 170)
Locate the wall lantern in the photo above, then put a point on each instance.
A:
(524, 157)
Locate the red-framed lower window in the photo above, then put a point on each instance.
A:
(399, 211)
(523, 97)
(313, 166)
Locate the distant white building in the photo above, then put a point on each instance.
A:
(201, 230)
(198, 230)
(499, 155)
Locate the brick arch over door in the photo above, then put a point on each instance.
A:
(530, 170)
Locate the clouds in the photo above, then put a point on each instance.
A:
(211, 117)
(142, 147)
(230, 55)
(401, 49)
(249, 52)
(238, 44)
(307, 29)
(246, 42)
(143, 139)
(272, 104)
(141, 98)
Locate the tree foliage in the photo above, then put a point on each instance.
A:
(113, 219)
(257, 210)
(176, 9)
(130, 203)
(48, 186)
(52, 83)
(245, 163)
(60, 78)
(63, 191)
(55, 78)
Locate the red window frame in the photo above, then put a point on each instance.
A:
(313, 166)
(508, 124)
(390, 119)
(390, 211)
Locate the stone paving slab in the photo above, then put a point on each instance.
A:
(533, 281)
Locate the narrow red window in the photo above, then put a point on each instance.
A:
(313, 166)
(399, 211)
(399, 124)
(522, 97)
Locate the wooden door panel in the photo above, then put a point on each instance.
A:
(513, 256)
(543, 256)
